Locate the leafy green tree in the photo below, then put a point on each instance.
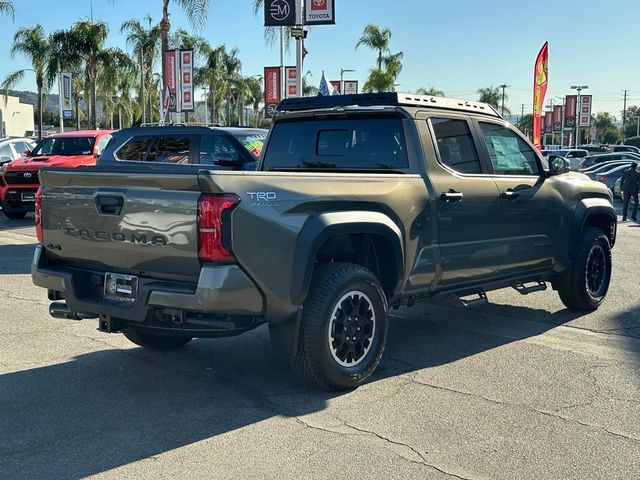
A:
(376, 38)
(7, 8)
(32, 43)
(632, 117)
(87, 39)
(493, 96)
(525, 124)
(256, 94)
(430, 91)
(308, 89)
(606, 131)
(379, 81)
(211, 75)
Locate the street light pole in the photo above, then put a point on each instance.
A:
(579, 88)
(342, 72)
(562, 122)
(299, 46)
(503, 87)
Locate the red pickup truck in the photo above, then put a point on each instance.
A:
(19, 179)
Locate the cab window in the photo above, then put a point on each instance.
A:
(509, 154)
(455, 145)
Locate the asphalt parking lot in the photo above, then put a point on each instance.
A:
(520, 388)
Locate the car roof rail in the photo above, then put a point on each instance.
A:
(167, 124)
(385, 99)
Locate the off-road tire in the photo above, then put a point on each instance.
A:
(154, 341)
(573, 286)
(316, 361)
(13, 214)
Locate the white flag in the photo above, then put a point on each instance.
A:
(326, 89)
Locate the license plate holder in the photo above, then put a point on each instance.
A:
(28, 197)
(120, 287)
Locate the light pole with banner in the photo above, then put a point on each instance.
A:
(342, 72)
(579, 88)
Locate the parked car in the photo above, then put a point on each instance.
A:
(625, 148)
(607, 157)
(14, 148)
(603, 168)
(226, 148)
(595, 148)
(609, 177)
(19, 179)
(395, 198)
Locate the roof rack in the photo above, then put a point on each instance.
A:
(385, 99)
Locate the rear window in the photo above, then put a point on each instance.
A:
(353, 144)
(252, 143)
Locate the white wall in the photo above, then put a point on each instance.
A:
(17, 117)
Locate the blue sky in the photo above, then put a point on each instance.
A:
(457, 46)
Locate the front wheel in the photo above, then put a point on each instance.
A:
(154, 341)
(344, 327)
(13, 214)
(585, 285)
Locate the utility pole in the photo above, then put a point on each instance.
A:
(624, 113)
(503, 87)
(282, 79)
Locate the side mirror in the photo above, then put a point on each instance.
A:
(558, 165)
(5, 159)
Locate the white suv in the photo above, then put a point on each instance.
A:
(13, 148)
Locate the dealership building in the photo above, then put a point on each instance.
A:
(16, 119)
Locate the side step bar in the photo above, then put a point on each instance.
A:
(454, 300)
(524, 289)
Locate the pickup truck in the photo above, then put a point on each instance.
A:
(19, 179)
(362, 203)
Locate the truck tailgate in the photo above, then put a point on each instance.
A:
(113, 220)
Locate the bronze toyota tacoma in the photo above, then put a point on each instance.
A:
(360, 203)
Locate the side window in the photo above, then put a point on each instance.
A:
(135, 150)
(455, 145)
(217, 147)
(5, 151)
(102, 143)
(21, 147)
(510, 155)
(171, 149)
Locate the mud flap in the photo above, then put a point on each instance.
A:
(285, 336)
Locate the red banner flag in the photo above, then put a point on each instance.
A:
(540, 78)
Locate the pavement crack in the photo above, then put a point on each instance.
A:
(370, 433)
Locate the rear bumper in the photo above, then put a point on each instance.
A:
(11, 197)
(222, 290)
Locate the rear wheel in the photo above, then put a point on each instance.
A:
(154, 341)
(344, 327)
(585, 285)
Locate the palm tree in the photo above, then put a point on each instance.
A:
(87, 39)
(117, 82)
(393, 66)
(211, 75)
(32, 43)
(144, 43)
(379, 81)
(231, 67)
(377, 39)
(431, 91)
(493, 96)
(6, 7)
(308, 89)
(256, 95)
(196, 10)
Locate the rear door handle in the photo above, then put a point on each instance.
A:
(509, 194)
(109, 204)
(451, 196)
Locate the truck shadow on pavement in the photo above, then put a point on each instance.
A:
(6, 224)
(111, 407)
(16, 259)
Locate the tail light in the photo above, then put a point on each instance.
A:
(214, 235)
(38, 212)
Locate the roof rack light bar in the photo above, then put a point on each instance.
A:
(385, 99)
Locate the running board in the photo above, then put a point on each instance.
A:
(454, 300)
(524, 289)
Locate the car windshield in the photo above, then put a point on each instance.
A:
(64, 146)
(252, 142)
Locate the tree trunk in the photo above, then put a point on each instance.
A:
(142, 105)
(213, 103)
(39, 112)
(380, 60)
(164, 36)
